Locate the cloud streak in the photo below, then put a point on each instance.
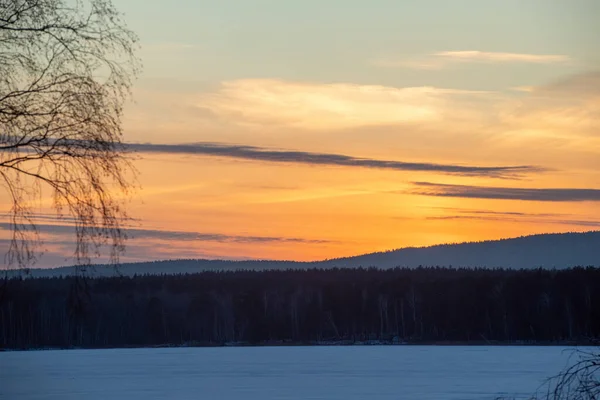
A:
(497, 213)
(500, 57)
(439, 60)
(505, 193)
(571, 222)
(513, 216)
(327, 159)
(50, 218)
(134, 233)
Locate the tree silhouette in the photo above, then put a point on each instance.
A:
(426, 305)
(66, 68)
(579, 381)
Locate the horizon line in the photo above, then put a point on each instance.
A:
(326, 260)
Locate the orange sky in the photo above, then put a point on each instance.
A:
(518, 87)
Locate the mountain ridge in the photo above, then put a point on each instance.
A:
(550, 250)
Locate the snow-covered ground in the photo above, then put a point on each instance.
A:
(285, 373)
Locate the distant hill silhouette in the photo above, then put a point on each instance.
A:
(559, 251)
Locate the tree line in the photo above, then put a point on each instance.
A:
(422, 305)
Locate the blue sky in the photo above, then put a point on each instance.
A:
(336, 41)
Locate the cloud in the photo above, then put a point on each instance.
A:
(567, 109)
(504, 193)
(326, 106)
(134, 233)
(583, 85)
(513, 216)
(310, 158)
(487, 56)
(41, 217)
(57, 244)
(54, 218)
(585, 223)
(439, 60)
(497, 213)
(524, 89)
(59, 253)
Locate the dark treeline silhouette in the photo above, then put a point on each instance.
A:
(420, 305)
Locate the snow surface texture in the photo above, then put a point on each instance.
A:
(286, 373)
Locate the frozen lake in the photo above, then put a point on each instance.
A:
(286, 373)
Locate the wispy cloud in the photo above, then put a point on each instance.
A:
(134, 233)
(439, 60)
(567, 110)
(326, 106)
(487, 56)
(505, 193)
(572, 222)
(514, 216)
(583, 85)
(40, 217)
(497, 213)
(310, 158)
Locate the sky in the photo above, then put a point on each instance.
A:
(306, 130)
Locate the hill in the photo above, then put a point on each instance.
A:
(559, 251)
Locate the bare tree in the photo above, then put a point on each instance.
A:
(66, 68)
(580, 381)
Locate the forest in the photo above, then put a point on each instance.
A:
(423, 305)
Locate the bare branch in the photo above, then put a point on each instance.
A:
(66, 68)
